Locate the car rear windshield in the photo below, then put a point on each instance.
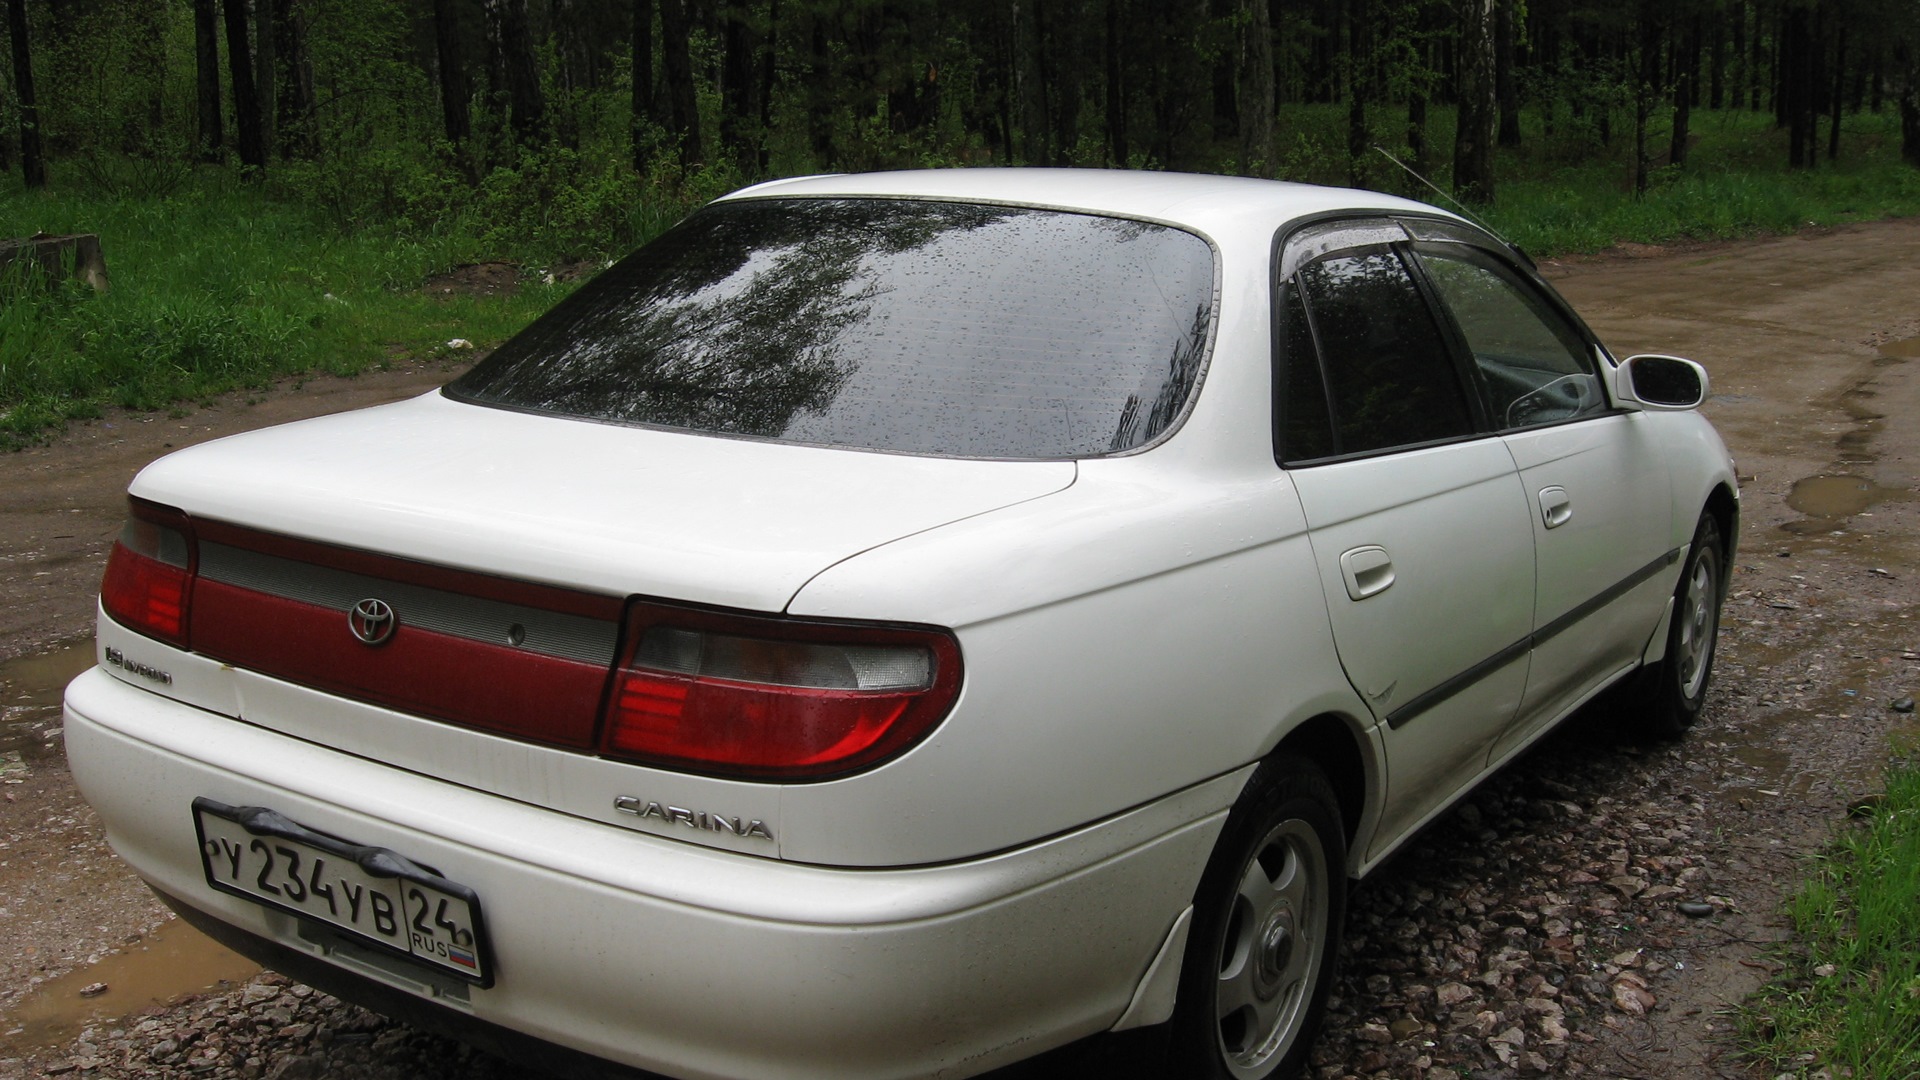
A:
(914, 326)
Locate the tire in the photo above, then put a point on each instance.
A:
(1670, 693)
(1266, 928)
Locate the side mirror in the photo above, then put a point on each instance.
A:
(1662, 383)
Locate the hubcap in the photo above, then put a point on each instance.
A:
(1274, 948)
(1697, 624)
(1275, 951)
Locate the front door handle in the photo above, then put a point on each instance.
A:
(1556, 506)
(1368, 571)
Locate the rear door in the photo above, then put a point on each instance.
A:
(1416, 513)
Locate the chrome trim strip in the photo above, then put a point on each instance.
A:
(1422, 702)
(551, 633)
(1606, 596)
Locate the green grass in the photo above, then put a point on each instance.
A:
(1572, 192)
(220, 288)
(1849, 997)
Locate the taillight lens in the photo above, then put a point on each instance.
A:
(739, 695)
(149, 582)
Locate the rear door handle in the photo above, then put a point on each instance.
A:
(1556, 507)
(1368, 571)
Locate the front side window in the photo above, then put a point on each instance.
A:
(904, 325)
(1533, 364)
(1388, 373)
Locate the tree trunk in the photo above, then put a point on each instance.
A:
(527, 112)
(1479, 106)
(1253, 86)
(294, 104)
(1785, 40)
(206, 55)
(1065, 49)
(1742, 80)
(1717, 65)
(246, 97)
(1645, 92)
(1030, 83)
(683, 114)
(1116, 88)
(1908, 61)
(739, 83)
(263, 68)
(1838, 94)
(1796, 62)
(33, 159)
(644, 111)
(1683, 98)
(769, 80)
(1505, 85)
(455, 91)
(1359, 58)
(1417, 131)
(1877, 83)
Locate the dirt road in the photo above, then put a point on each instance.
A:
(1534, 931)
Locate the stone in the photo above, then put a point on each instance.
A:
(1632, 999)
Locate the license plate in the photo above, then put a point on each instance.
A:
(375, 895)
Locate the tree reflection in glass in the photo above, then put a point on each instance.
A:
(916, 326)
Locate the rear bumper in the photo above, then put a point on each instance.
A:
(666, 956)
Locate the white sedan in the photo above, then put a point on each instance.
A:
(895, 624)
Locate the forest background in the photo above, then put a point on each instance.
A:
(285, 186)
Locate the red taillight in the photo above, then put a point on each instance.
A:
(743, 695)
(149, 582)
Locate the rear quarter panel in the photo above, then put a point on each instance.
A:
(1129, 637)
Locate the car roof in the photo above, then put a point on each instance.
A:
(1213, 205)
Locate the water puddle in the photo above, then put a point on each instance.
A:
(173, 961)
(30, 692)
(1827, 501)
(1904, 349)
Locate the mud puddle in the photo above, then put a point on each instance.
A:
(30, 693)
(1829, 500)
(172, 961)
(1904, 349)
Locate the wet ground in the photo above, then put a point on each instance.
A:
(1538, 930)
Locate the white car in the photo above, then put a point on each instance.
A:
(895, 624)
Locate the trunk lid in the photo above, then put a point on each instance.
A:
(595, 507)
(472, 565)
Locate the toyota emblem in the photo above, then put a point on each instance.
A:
(372, 621)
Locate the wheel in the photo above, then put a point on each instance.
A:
(1266, 925)
(1671, 692)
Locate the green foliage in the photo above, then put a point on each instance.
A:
(1733, 186)
(1848, 999)
(220, 287)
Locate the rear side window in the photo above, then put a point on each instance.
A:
(913, 326)
(1388, 372)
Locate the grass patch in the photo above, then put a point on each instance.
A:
(1571, 194)
(222, 287)
(1849, 998)
(1572, 191)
